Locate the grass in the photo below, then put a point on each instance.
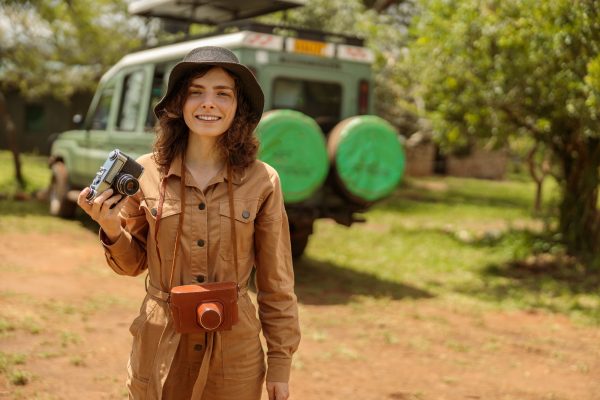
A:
(460, 240)
(15, 376)
(30, 216)
(34, 169)
(463, 241)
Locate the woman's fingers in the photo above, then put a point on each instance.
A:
(104, 205)
(278, 390)
(112, 201)
(82, 202)
(99, 202)
(271, 392)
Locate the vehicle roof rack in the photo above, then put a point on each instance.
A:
(209, 12)
(293, 31)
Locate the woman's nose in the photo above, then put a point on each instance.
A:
(208, 102)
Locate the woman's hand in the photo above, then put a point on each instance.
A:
(100, 210)
(278, 390)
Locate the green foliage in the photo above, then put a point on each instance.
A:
(492, 70)
(497, 68)
(333, 16)
(58, 47)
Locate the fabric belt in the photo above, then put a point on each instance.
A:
(160, 295)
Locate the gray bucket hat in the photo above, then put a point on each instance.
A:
(221, 57)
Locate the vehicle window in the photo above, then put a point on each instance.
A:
(100, 119)
(133, 85)
(159, 87)
(319, 100)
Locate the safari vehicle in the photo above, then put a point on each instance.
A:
(334, 157)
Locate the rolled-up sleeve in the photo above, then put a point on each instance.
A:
(278, 310)
(127, 255)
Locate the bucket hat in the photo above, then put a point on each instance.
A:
(219, 57)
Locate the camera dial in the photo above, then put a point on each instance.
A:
(91, 194)
(113, 155)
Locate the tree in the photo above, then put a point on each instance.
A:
(57, 47)
(496, 69)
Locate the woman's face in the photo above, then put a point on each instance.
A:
(211, 103)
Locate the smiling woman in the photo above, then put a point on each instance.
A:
(211, 103)
(206, 214)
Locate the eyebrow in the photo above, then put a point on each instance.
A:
(194, 85)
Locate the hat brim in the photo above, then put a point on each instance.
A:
(250, 86)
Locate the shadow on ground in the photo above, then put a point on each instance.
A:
(552, 282)
(324, 283)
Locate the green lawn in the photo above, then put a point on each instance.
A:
(34, 169)
(459, 240)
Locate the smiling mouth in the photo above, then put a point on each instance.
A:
(209, 118)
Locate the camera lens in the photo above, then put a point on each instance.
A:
(90, 194)
(127, 185)
(210, 315)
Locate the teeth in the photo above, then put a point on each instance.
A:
(207, 117)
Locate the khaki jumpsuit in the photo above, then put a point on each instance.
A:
(221, 365)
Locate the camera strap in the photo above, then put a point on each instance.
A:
(161, 200)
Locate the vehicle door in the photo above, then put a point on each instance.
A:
(100, 119)
(128, 134)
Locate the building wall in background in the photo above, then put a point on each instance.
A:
(37, 121)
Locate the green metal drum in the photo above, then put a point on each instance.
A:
(367, 156)
(294, 145)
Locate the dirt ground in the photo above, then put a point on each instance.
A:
(67, 315)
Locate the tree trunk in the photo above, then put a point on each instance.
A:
(537, 178)
(11, 136)
(579, 216)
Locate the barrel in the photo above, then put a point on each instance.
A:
(294, 145)
(367, 158)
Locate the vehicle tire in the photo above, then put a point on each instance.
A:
(293, 144)
(367, 157)
(60, 205)
(299, 243)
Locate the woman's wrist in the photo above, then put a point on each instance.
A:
(112, 235)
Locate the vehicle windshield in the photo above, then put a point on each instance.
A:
(319, 100)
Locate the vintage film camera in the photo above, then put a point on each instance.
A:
(119, 172)
(206, 307)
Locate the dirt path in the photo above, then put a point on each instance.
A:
(64, 317)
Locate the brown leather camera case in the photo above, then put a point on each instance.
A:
(186, 299)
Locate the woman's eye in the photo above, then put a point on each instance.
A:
(223, 94)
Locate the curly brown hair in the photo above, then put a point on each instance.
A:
(238, 145)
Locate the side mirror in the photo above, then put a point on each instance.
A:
(78, 120)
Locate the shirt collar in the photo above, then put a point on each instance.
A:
(237, 175)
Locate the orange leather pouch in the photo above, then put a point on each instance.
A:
(206, 307)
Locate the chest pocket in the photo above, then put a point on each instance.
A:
(245, 214)
(168, 223)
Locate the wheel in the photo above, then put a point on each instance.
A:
(60, 205)
(299, 242)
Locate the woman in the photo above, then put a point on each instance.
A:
(184, 235)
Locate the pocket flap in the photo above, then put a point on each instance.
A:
(245, 210)
(170, 207)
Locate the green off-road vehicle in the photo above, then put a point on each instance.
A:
(333, 156)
